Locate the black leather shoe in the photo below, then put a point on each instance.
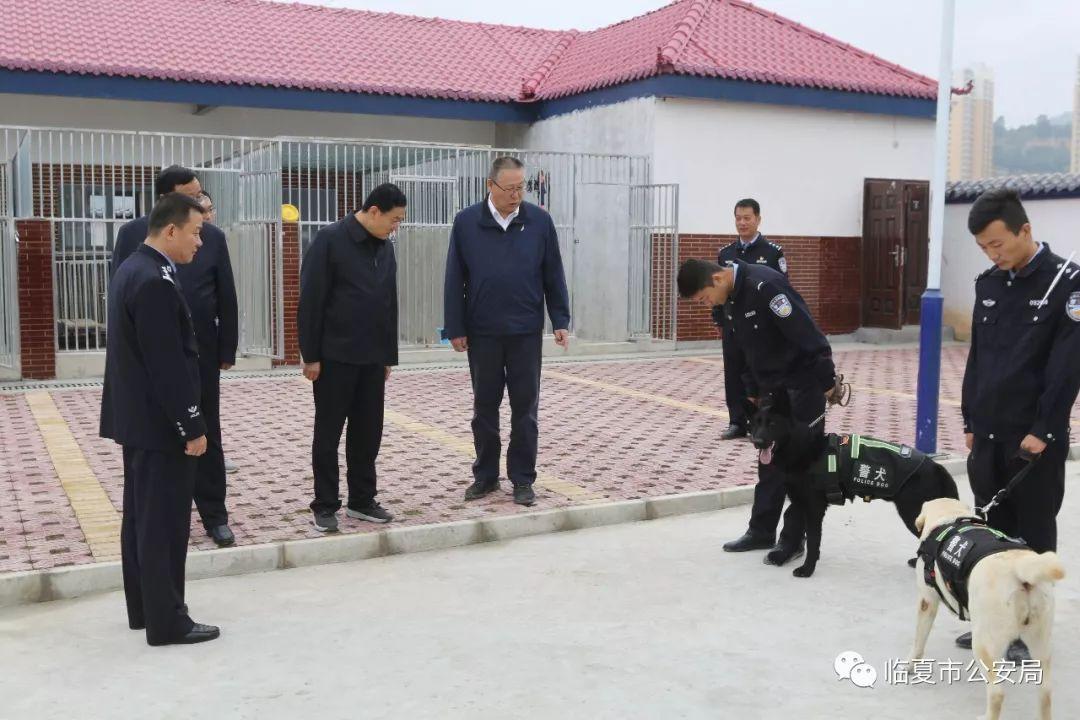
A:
(480, 488)
(222, 536)
(783, 553)
(749, 541)
(732, 432)
(524, 495)
(199, 633)
(964, 641)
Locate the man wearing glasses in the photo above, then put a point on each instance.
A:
(502, 265)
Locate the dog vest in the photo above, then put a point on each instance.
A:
(859, 466)
(950, 553)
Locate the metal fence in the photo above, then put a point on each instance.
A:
(86, 184)
(654, 237)
(9, 292)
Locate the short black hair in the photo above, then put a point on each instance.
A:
(994, 205)
(749, 203)
(505, 162)
(172, 209)
(170, 177)
(696, 275)
(386, 197)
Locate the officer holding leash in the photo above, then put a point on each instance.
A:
(1023, 372)
(785, 351)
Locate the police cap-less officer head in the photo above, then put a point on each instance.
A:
(705, 283)
(1002, 230)
(174, 227)
(179, 179)
(747, 218)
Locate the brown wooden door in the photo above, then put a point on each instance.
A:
(916, 247)
(883, 241)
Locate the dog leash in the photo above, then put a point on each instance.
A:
(841, 396)
(1004, 492)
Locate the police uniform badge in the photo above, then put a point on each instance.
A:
(780, 305)
(166, 275)
(782, 264)
(1072, 307)
(761, 260)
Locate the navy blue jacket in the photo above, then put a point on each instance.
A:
(151, 395)
(348, 309)
(208, 286)
(1023, 369)
(784, 347)
(497, 280)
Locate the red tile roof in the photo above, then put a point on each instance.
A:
(254, 42)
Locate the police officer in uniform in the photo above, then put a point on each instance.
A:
(750, 247)
(785, 351)
(1023, 371)
(150, 406)
(210, 293)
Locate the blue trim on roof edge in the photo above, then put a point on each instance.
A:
(968, 199)
(710, 88)
(217, 94)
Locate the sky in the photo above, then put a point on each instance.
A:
(1032, 50)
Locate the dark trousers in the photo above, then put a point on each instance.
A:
(210, 474)
(511, 362)
(354, 393)
(734, 389)
(807, 404)
(1030, 511)
(154, 540)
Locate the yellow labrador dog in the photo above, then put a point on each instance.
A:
(1005, 589)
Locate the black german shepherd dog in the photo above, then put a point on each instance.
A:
(801, 453)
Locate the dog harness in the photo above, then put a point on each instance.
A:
(950, 553)
(859, 466)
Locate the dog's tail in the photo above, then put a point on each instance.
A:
(1036, 569)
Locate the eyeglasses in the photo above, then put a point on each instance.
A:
(516, 190)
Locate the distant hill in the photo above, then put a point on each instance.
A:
(1042, 147)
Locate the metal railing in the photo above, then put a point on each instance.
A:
(87, 183)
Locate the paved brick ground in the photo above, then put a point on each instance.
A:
(617, 430)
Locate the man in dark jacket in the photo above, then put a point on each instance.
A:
(1023, 371)
(347, 322)
(208, 287)
(503, 263)
(786, 352)
(150, 406)
(750, 247)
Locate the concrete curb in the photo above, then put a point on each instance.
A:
(32, 586)
(22, 588)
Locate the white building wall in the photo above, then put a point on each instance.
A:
(625, 128)
(40, 110)
(805, 166)
(1053, 221)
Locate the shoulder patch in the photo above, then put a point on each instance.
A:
(780, 305)
(782, 264)
(1072, 307)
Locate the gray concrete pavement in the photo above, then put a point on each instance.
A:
(646, 620)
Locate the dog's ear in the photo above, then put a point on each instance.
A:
(750, 409)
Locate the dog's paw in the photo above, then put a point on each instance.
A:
(803, 571)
